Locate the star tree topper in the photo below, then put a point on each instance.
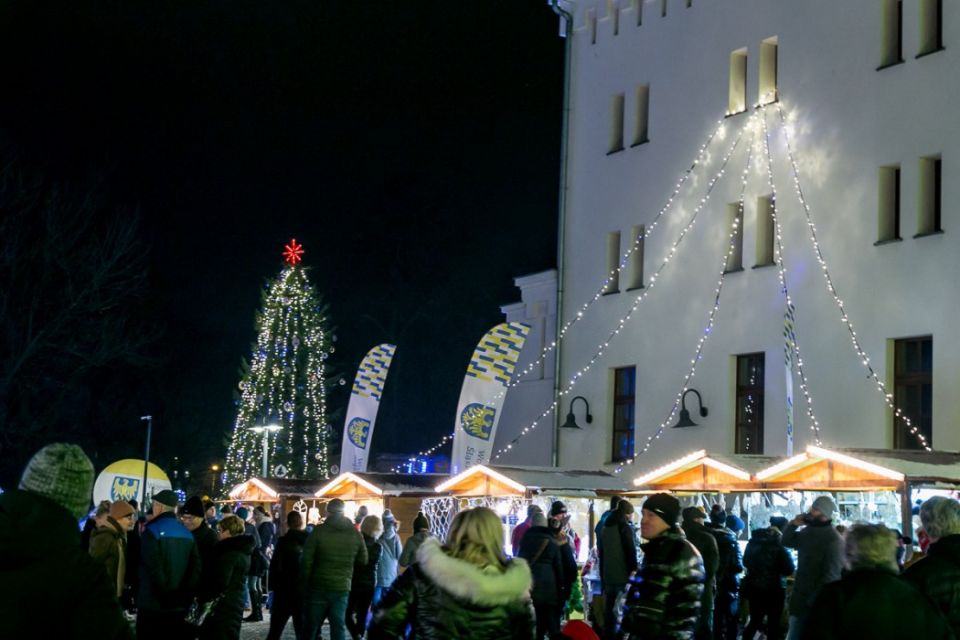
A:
(292, 252)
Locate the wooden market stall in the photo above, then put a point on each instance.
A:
(287, 493)
(702, 473)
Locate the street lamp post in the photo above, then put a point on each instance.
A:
(146, 462)
(266, 430)
(213, 478)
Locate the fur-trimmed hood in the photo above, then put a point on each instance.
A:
(485, 587)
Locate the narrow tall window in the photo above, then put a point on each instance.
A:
(749, 428)
(931, 26)
(891, 42)
(624, 407)
(613, 262)
(663, 8)
(888, 212)
(913, 390)
(737, 101)
(734, 243)
(929, 197)
(765, 231)
(636, 258)
(643, 113)
(768, 71)
(616, 124)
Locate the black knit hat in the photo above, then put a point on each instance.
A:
(557, 508)
(718, 516)
(665, 506)
(193, 507)
(420, 523)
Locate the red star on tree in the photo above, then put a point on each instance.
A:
(292, 252)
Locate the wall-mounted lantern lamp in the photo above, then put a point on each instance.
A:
(571, 421)
(685, 420)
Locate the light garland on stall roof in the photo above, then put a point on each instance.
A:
(636, 304)
(845, 319)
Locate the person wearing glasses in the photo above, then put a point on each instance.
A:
(108, 543)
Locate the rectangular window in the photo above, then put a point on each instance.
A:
(624, 398)
(750, 370)
(768, 71)
(643, 113)
(931, 26)
(636, 258)
(616, 124)
(913, 390)
(891, 43)
(663, 8)
(888, 212)
(765, 231)
(929, 197)
(737, 101)
(735, 246)
(613, 262)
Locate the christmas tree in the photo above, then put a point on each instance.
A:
(285, 383)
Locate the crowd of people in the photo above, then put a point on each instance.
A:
(192, 570)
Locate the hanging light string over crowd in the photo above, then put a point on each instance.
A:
(626, 318)
(711, 317)
(844, 318)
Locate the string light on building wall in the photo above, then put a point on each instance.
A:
(838, 301)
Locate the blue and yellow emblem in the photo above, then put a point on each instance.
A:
(124, 488)
(477, 420)
(358, 431)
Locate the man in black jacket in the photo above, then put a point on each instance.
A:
(540, 548)
(285, 578)
(730, 566)
(618, 562)
(938, 574)
(701, 538)
(169, 572)
(193, 517)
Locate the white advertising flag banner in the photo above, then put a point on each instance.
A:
(362, 410)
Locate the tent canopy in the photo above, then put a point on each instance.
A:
(503, 480)
(365, 486)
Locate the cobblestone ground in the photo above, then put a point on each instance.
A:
(259, 630)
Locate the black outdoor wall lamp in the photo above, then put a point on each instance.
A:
(685, 420)
(571, 421)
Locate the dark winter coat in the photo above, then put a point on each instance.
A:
(730, 561)
(768, 563)
(871, 603)
(330, 554)
(820, 560)
(937, 576)
(169, 565)
(618, 555)
(570, 569)
(108, 545)
(258, 561)
(365, 575)
(700, 537)
(285, 564)
(389, 556)
(664, 596)
(444, 598)
(409, 553)
(228, 581)
(540, 549)
(49, 586)
(206, 540)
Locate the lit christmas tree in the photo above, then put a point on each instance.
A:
(285, 383)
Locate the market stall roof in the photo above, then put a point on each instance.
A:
(484, 480)
(360, 486)
(270, 489)
(700, 471)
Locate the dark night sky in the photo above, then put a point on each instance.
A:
(413, 148)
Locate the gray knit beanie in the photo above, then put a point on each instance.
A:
(63, 473)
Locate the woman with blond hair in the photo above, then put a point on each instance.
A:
(466, 589)
(364, 579)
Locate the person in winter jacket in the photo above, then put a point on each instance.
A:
(870, 601)
(49, 586)
(937, 574)
(664, 596)
(258, 565)
(768, 564)
(93, 523)
(562, 531)
(421, 531)
(364, 578)
(228, 580)
(332, 551)
(730, 566)
(192, 515)
(169, 572)
(467, 589)
(618, 561)
(390, 550)
(705, 542)
(819, 558)
(598, 530)
(285, 578)
(521, 529)
(108, 544)
(541, 550)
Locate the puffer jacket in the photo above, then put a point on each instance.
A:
(730, 561)
(768, 563)
(231, 562)
(390, 551)
(872, 603)
(938, 577)
(332, 551)
(539, 548)
(443, 598)
(820, 559)
(365, 575)
(108, 545)
(169, 565)
(664, 596)
(49, 585)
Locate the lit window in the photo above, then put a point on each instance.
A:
(749, 427)
(624, 399)
(913, 390)
(929, 197)
(888, 211)
(768, 71)
(891, 42)
(616, 124)
(613, 262)
(931, 26)
(735, 246)
(737, 101)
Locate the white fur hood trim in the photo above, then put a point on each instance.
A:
(485, 587)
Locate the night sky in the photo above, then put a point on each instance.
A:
(412, 148)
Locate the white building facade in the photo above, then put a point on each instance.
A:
(866, 91)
